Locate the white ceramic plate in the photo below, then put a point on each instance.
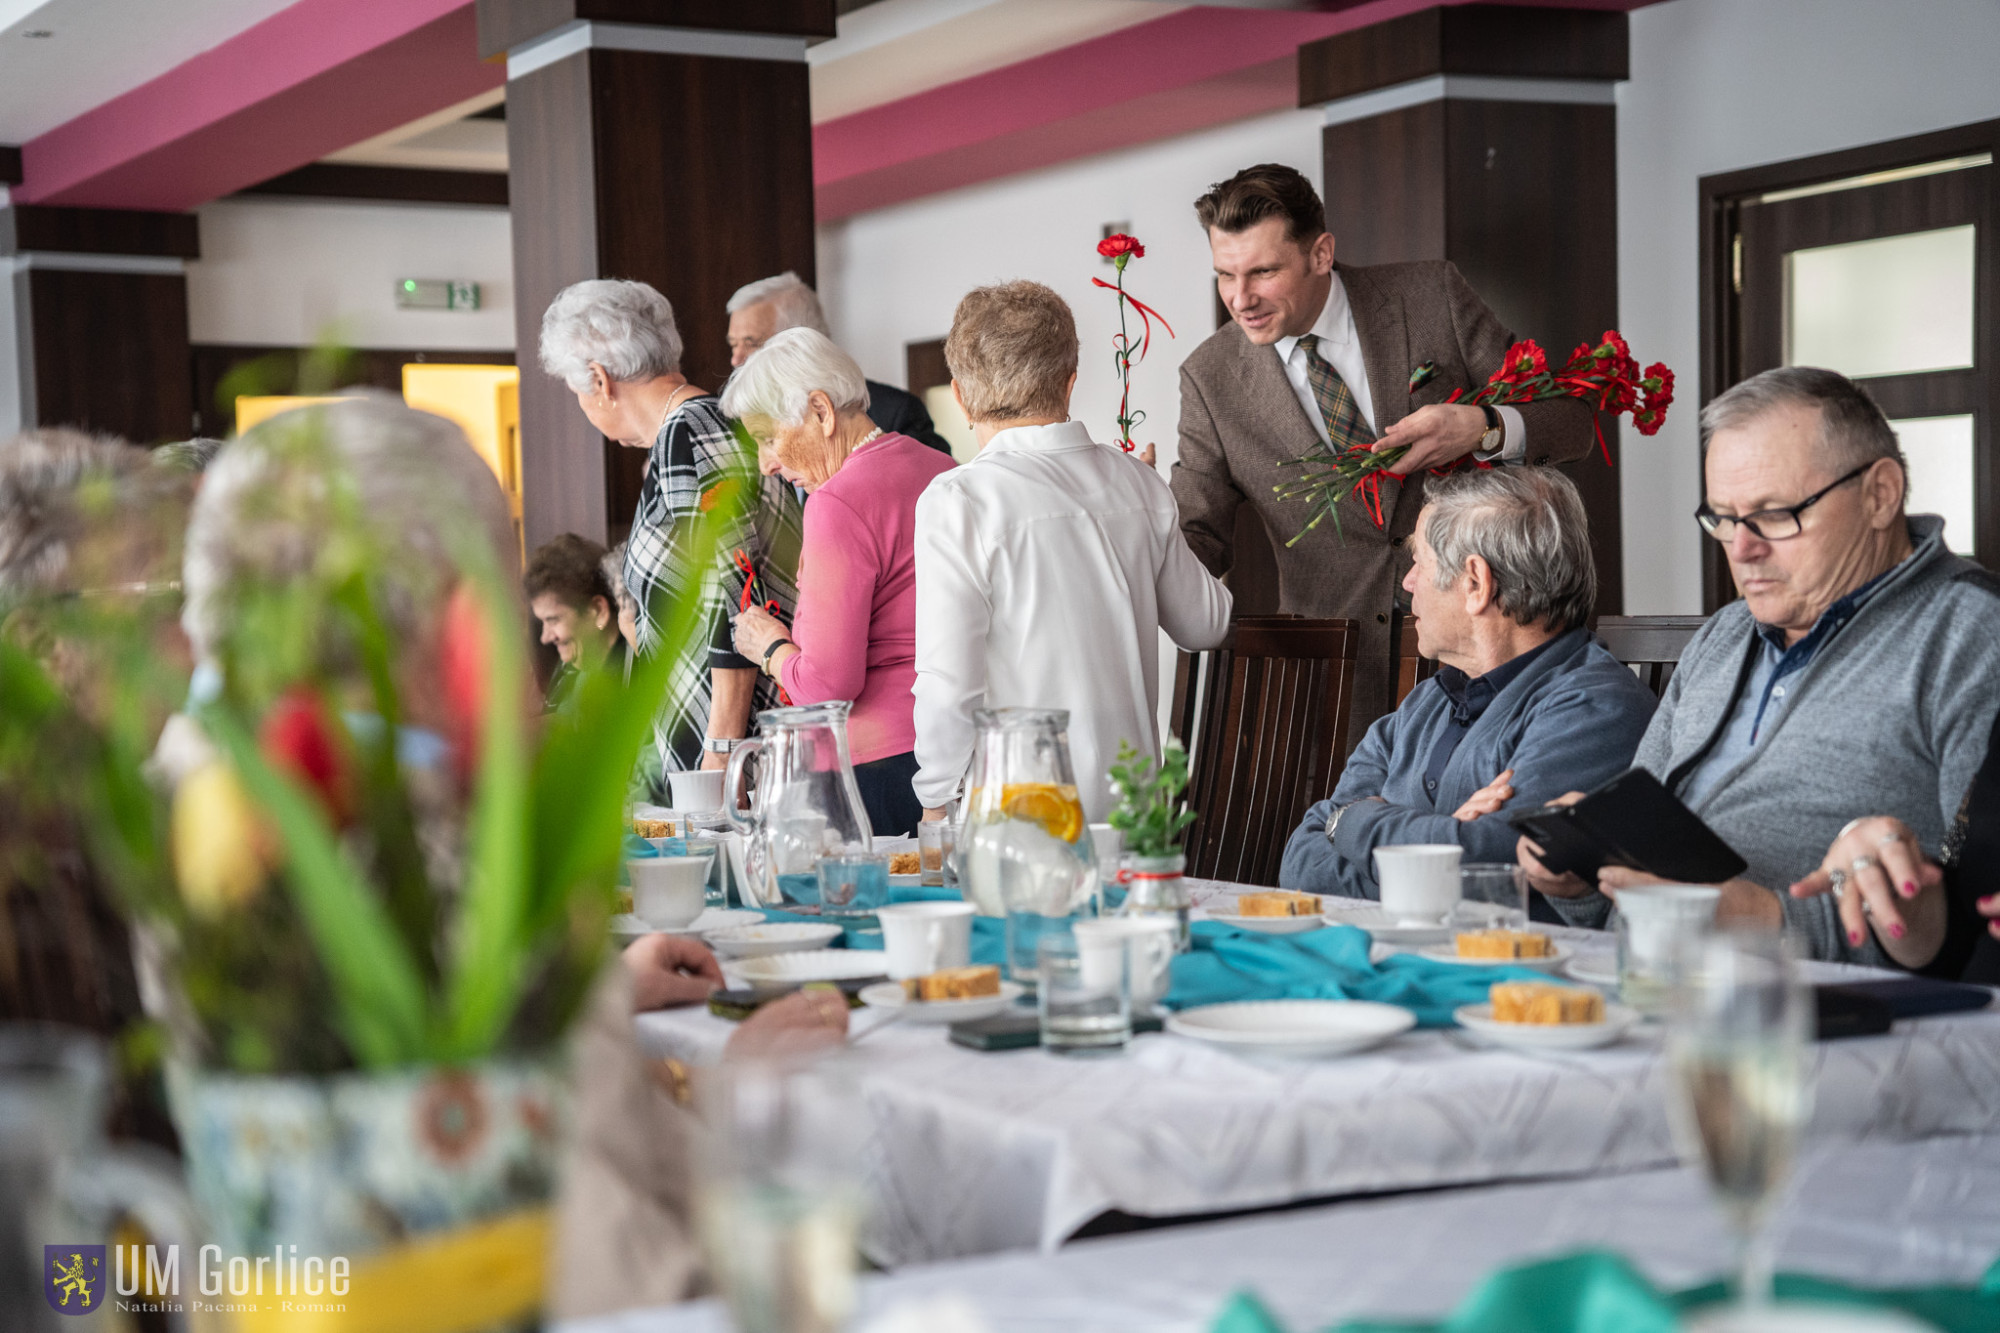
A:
(1478, 1019)
(628, 927)
(1386, 930)
(889, 995)
(1596, 969)
(775, 937)
(790, 969)
(1273, 925)
(1293, 1028)
(1448, 953)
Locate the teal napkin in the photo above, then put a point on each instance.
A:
(638, 849)
(1228, 963)
(1598, 1292)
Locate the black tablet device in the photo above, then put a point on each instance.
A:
(1630, 821)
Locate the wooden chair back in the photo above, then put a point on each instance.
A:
(1265, 721)
(1411, 669)
(1650, 645)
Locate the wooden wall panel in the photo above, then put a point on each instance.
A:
(508, 23)
(1384, 187)
(1516, 41)
(274, 369)
(111, 353)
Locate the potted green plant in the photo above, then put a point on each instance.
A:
(370, 959)
(1152, 815)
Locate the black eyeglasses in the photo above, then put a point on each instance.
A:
(1773, 525)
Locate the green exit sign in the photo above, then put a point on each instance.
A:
(437, 294)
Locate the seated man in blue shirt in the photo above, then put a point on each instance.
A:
(1526, 704)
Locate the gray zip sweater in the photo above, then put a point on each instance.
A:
(1890, 717)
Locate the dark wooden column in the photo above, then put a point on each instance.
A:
(1487, 135)
(664, 140)
(101, 318)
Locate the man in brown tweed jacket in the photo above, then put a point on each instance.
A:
(1319, 350)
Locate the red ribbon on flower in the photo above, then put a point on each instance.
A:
(1121, 249)
(751, 595)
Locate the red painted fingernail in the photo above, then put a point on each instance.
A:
(1990, 900)
(1854, 937)
(1896, 930)
(1909, 889)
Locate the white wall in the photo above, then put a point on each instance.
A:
(291, 272)
(1722, 84)
(893, 276)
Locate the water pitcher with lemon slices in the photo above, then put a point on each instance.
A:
(1027, 850)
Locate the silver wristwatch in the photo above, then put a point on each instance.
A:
(1334, 823)
(720, 744)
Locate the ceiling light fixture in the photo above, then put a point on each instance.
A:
(38, 32)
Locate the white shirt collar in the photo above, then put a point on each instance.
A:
(1061, 435)
(1334, 325)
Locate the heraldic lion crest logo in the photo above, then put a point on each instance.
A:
(73, 1277)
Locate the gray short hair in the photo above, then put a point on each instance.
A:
(1012, 350)
(58, 487)
(797, 305)
(613, 565)
(261, 513)
(1528, 524)
(780, 376)
(1852, 430)
(626, 327)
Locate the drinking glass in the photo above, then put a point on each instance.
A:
(1736, 1040)
(1084, 995)
(1658, 928)
(1492, 896)
(853, 884)
(934, 848)
(779, 1195)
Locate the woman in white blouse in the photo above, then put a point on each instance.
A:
(1047, 567)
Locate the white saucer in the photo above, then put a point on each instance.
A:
(1386, 930)
(774, 937)
(1448, 953)
(784, 969)
(906, 881)
(1273, 925)
(1595, 969)
(1478, 1019)
(889, 995)
(1293, 1028)
(627, 927)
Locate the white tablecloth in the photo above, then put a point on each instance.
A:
(1874, 1215)
(976, 1152)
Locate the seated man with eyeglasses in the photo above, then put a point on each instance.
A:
(1859, 672)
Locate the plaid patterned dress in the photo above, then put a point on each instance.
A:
(692, 453)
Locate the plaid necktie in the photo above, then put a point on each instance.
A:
(1336, 401)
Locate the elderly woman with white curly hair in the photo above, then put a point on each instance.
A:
(855, 636)
(615, 344)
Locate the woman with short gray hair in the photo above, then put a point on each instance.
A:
(855, 635)
(615, 345)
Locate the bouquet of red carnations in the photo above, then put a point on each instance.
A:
(1605, 376)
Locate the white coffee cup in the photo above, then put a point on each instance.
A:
(1150, 945)
(1419, 882)
(1657, 926)
(668, 892)
(697, 791)
(922, 938)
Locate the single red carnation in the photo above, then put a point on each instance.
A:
(462, 648)
(300, 736)
(1113, 246)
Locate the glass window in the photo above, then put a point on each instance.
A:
(1939, 450)
(1890, 306)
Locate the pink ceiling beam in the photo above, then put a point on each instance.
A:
(305, 82)
(1168, 76)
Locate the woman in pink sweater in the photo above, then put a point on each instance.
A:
(854, 635)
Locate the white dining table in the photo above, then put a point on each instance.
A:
(974, 1152)
(1878, 1215)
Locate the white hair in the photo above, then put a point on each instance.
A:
(779, 378)
(796, 304)
(626, 327)
(57, 487)
(262, 512)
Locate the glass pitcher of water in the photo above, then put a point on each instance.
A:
(805, 803)
(1026, 849)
